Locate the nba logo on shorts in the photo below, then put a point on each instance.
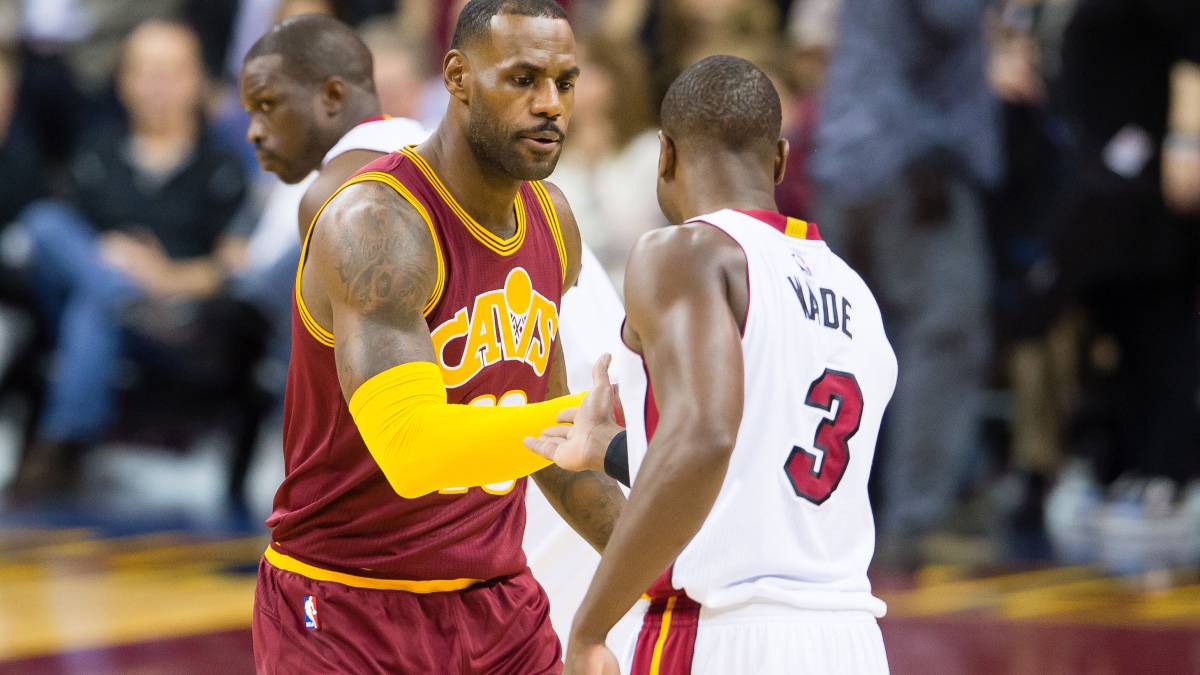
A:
(310, 612)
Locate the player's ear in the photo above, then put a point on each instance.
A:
(666, 156)
(781, 154)
(455, 73)
(333, 95)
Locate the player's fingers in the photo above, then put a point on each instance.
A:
(567, 415)
(600, 371)
(544, 447)
(559, 431)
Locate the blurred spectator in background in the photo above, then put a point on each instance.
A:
(21, 181)
(685, 31)
(1035, 340)
(69, 49)
(144, 232)
(811, 28)
(20, 162)
(907, 137)
(399, 69)
(1127, 250)
(607, 169)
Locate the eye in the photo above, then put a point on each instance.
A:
(522, 80)
(566, 85)
(266, 106)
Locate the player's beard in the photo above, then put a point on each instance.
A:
(494, 146)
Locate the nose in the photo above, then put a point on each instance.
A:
(254, 132)
(547, 101)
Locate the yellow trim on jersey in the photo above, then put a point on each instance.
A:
(315, 329)
(505, 247)
(289, 564)
(310, 324)
(543, 197)
(796, 228)
(656, 657)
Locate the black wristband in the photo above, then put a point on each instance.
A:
(616, 459)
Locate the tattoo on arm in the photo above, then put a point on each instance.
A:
(590, 502)
(375, 260)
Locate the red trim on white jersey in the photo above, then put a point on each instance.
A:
(780, 222)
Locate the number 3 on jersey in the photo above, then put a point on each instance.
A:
(815, 474)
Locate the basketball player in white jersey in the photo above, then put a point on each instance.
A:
(315, 120)
(753, 379)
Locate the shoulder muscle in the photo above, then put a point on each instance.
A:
(373, 251)
(329, 178)
(682, 263)
(570, 233)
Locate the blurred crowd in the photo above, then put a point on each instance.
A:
(1017, 180)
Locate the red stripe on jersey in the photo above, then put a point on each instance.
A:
(650, 408)
(779, 222)
(662, 588)
(662, 585)
(666, 643)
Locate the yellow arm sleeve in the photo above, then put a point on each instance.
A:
(423, 444)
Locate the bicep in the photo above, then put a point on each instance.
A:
(375, 259)
(557, 382)
(690, 340)
(570, 233)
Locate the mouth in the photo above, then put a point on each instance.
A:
(544, 140)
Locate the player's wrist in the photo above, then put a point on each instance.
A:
(599, 439)
(583, 634)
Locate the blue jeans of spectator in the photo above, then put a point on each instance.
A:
(84, 298)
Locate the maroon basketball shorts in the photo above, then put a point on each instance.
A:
(306, 626)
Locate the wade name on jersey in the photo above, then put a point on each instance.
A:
(513, 323)
(831, 311)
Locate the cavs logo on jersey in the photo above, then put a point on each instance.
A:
(514, 323)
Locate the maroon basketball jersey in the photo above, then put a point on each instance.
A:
(493, 318)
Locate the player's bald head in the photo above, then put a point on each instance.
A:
(314, 48)
(475, 20)
(723, 102)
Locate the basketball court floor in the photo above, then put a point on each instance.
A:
(154, 576)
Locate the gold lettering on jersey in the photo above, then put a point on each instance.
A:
(514, 323)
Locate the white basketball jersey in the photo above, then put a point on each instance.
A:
(792, 523)
(387, 134)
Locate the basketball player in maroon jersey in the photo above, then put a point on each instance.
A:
(433, 278)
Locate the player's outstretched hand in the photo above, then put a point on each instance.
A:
(579, 442)
(591, 659)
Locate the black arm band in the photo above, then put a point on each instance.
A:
(616, 459)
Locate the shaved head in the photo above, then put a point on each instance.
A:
(314, 48)
(723, 102)
(720, 141)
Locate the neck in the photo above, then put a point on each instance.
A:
(168, 132)
(724, 183)
(485, 193)
(159, 149)
(354, 113)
